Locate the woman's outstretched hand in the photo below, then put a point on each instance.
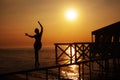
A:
(26, 34)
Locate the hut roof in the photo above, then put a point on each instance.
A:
(110, 29)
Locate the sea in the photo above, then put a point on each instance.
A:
(21, 59)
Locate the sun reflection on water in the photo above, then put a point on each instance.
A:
(71, 72)
(71, 52)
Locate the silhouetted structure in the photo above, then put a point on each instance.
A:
(102, 54)
(107, 38)
(110, 33)
(107, 46)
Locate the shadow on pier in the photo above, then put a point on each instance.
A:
(96, 60)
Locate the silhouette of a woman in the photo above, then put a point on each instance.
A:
(38, 43)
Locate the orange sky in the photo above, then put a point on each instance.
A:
(20, 16)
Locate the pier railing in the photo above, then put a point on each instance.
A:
(103, 58)
(80, 51)
(75, 52)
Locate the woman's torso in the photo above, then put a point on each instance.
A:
(38, 42)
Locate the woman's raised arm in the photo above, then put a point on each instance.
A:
(41, 26)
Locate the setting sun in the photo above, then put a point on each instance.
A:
(71, 14)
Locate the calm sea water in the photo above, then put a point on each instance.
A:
(17, 59)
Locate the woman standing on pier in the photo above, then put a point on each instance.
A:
(38, 43)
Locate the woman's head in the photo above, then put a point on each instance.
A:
(36, 30)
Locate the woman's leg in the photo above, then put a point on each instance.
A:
(36, 58)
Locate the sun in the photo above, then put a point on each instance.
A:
(71, 14)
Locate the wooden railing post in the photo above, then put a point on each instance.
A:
(56, 53)
(75, 52)
(71, 57)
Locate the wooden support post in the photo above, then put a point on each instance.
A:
(46, 74)
(90, 71)
(106, 68)
(90, 65)
(82, 71)
(79, 72)
(26, 75)
(59, 73)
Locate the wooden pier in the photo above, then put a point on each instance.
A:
(99, 66)
(96, 60)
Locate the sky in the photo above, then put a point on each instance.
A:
(18, 17)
